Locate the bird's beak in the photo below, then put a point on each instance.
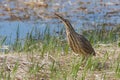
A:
(60, 17)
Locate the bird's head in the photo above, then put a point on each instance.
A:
(66, 23)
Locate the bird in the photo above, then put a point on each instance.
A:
(77, 42)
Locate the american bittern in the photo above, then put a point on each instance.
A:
(78, 43)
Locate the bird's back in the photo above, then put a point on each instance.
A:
(79, 44)
(86, 45)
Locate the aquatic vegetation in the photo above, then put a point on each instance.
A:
(45, 55)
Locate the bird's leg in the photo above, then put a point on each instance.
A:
(84, 60)
(75, 54)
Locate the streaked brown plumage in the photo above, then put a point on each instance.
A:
(78, 43)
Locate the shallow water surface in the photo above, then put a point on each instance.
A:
(83, 14)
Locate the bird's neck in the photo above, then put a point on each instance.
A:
(69, 28)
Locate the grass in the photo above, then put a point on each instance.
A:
(48, 57)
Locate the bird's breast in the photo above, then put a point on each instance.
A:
(73, 42)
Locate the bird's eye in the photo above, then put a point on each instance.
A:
(65, 20)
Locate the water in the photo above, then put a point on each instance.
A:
(83, 14)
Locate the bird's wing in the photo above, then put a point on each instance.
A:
(85, 44)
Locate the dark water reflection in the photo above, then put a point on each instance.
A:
(83, 14)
